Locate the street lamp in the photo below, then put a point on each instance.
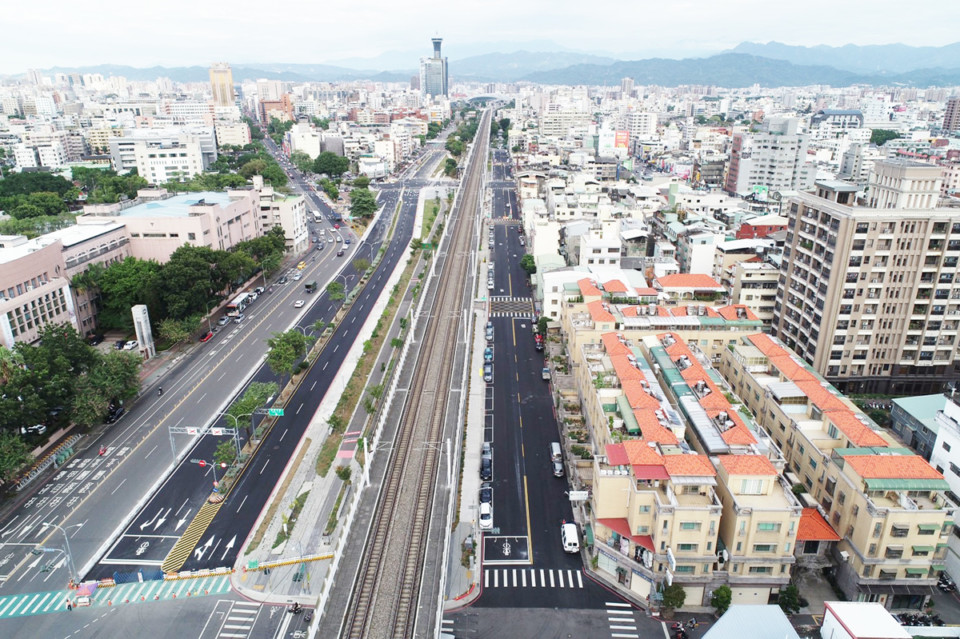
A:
(66, 539)
(209, 324)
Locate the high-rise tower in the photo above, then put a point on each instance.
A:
(433, 72)
(221, 83)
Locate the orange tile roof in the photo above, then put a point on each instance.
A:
(647, 292)
(688, 280)
(598, 313)
(813, 527)
(630, 311)
(747, 465)
(637, 397)
(790, 369)
(640, 453)
(821, 397)
(663, 311)
(689, 465)
(588, 289)
(650, 427)
(715, 400)
(739, 435)
(730, 312)
(766, 345)
(612, 345)
(624, 369)
(614, 286)
(856, 431)
(892, 467)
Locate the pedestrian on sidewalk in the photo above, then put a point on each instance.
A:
(69, 605)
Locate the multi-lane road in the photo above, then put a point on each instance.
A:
(124, 511)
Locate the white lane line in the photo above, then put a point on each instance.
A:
(523, 578)
(579, 580)
(118, 486)
(299, 407)
(242, 502)
(617, 604)
(264, 466)
(151, 451)
(543, 579)
(337, 347)
(284, 433)
(327, 363)
(313, 385)
(486, 580)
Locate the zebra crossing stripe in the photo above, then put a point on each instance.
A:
(543, 580)
(40, 603)
(523, 578)
(22, 601)
(9, 603)
(579, 579)
(560, 578)
(551, 578)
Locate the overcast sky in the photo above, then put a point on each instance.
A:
(47, 33)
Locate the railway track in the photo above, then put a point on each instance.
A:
(387, 587)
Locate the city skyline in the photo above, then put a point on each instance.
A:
(306, 35)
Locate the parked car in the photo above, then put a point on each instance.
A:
(223, 321)
(489, 331)
(486, 493)
(36, 429)
(93, 340)
(207, 337)
(488, 372)
(488, 354)
(114, 413)
(486, 516)
(486, 469)
(131, 345)
(258, 290)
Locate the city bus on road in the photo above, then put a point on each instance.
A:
(317, 217)
(240, 302)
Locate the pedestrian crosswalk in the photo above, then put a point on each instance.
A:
(505, 306)
(239, 621)
(38, 603)
(531, 578)
(621, 621)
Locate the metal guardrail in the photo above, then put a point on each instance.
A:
(54, 456)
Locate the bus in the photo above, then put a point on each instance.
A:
(316, 217)
(239, 303)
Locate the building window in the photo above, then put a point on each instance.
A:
(888, 574)
(899, 530)
(689, 525)
(893, 552)
(759, 570)
(687, 547)
(686, 569)
(644, 509)
(751, 487)
(946, 446)
(768, 527)
(764, 548)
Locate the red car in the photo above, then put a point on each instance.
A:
(336, 226)
(538, 341)
(207, 337)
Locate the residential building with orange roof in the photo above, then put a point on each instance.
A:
(758, 529)
(654, 510)
(680, 289)
(753, 284)
(887, 504)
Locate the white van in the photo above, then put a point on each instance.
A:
(556, 453)
(569, 537)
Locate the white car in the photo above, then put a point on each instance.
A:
(297, 277)
(298, 304)
(131, 345)
(486, 516)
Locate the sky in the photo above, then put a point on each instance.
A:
(46, 33)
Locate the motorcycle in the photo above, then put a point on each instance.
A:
(103, 451)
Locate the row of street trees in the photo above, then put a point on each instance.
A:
(61, 379)
(181, 290)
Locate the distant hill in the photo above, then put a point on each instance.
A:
(872, 59)
(733, 70)
(507, 67)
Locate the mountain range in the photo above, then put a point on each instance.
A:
(771, 64)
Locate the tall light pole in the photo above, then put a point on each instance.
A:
(66, 538)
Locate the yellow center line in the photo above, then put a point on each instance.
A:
(526, 501)
(510, 284)
(513, 327)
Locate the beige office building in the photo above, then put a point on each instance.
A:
(221, 84)
(869, 294)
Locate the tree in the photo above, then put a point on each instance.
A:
(542, 325)
(721, 599)
(125, 284)
(335, 291)
(450, 167)
(331, 164)
(172, 330)
(286, 349)
(14, 455)
(256, 396)
(253, 167)
(361, 265)
(27, 183)
(505, 125)
(226, 452)
(789, 599)
(330, 189)
(454, 146)
(882, 136)
(361, 182)
(674, 597)
(321, 123)
(528, 264)
(302, 161)
(363, 204)
(255, 132)
(188, 280)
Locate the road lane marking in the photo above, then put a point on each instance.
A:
(264, 466)
(118, 486)
(151, 451)
(242, 502)
(284, 434)
(299, 407)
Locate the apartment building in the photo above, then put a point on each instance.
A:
(886, 503)
(774, 159)
(682, 289)
(714, 514)
(753, 284)
(868, 293)
(221, 84)
(168, 162)
(951, 115)
(35, 290)
(289, 212)
(942, 458)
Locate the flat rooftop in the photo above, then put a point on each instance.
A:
(69, 236)
(176, 206)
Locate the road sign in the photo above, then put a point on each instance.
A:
(275, 412)
(202, 462)
(579, 495)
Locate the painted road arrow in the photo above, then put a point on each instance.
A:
(162, 519)
(147, 523)
(200, 551)
(184, 520)
(228, 547)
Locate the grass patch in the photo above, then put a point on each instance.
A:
(333, 519)
(290, 521)
(430, 210)
(272, 510)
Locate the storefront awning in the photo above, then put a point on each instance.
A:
(876, 589)
(928, 527)
(621, 526)
(588, 534)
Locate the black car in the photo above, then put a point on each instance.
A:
(93, 340)
(115, 412)
(486, 493)
(486, 469)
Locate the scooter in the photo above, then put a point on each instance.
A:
(103, 451)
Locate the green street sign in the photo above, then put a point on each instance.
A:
(253, 564)
(275, 412)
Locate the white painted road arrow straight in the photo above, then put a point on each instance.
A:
(162, 519)
(200, 551)
(229, 545)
